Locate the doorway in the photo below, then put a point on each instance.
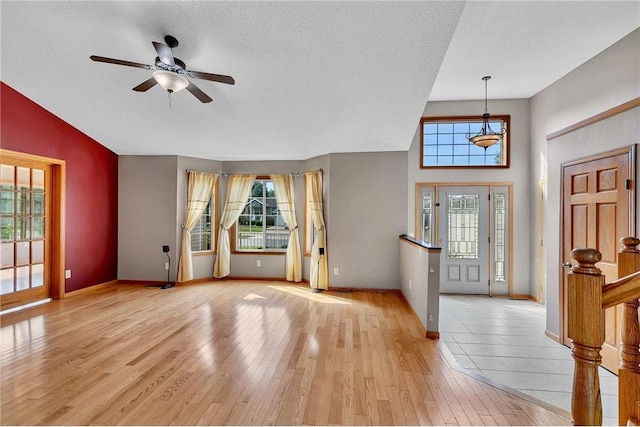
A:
(30, 238)
(471, 222)
(597, 211)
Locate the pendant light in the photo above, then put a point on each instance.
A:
(487, 137)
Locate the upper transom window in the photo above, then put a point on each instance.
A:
(444, 143)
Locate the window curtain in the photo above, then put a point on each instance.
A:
(200, 187)
(283, 185)
(238, 191)
(319, 271)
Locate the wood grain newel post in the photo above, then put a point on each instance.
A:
(629, 373)
(586, 330)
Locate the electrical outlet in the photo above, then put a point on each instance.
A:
(67, 274)
(409, 284)
(166, 266)
(259, 263)
(336, 271)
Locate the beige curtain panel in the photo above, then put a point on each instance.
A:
(283, 185)
(238, 192)
(319, 268)
(200, 187)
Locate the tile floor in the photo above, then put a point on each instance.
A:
(504, 340)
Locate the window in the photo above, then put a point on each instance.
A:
(260, 227)
(427, 217)
(202, 233)
(499, 239)
(444, 143)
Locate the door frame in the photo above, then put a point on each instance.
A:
(490, 184)
(631, 152)
(58, 185)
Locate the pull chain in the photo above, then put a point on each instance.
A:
(169, 92)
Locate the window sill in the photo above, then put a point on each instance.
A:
(236, 252)
(203, 253)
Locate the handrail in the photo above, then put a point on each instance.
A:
(587, 297)
(624, 289)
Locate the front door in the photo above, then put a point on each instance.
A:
(464, 238)
(597, 202)
(25, 230)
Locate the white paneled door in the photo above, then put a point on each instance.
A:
(464, 238)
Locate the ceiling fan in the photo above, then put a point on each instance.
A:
(170, 72)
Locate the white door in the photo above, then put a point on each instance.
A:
(464, 238)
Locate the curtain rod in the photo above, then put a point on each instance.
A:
(227, 174)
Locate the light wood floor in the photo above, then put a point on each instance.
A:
(238, 353)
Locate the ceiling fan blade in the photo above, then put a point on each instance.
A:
(164, 53)
(212, 77)
(120, 62)
(195, 90)
(146, 85)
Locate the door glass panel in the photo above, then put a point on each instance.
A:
(6, 177)
(37, 251)
(38, 181)
(6, 255)
(24, 205)
(463, 226)
(22, 278)
(499, 237)
(37, 275)
(38, 204)
(7, 203)
(24, 178)
(427, 218)
(22, 253)
(6, 281)
(23, 228)
(7, 228)
(37, 232)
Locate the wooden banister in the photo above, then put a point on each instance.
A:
(629, 372)
(588, 296)
(624, 289)
(586, 330)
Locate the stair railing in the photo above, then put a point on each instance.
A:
(588, 297)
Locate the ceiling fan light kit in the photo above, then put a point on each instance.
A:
(170, 72)
(487, 137)
(171, 82)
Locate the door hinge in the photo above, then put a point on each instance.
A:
(489, 196)
(627, 184)
(489, 239)
(489, 282)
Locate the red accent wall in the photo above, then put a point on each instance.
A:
(91, 231)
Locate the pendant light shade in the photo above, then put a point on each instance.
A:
(487, 137)
(171, 82)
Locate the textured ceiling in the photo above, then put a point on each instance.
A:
(311, 77)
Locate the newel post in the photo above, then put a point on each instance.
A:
(586, 330)
(629, 373)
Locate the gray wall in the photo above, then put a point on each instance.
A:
(367, 205)
(517, 173)
(147, 217)
(606, 81)
(420, 282)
